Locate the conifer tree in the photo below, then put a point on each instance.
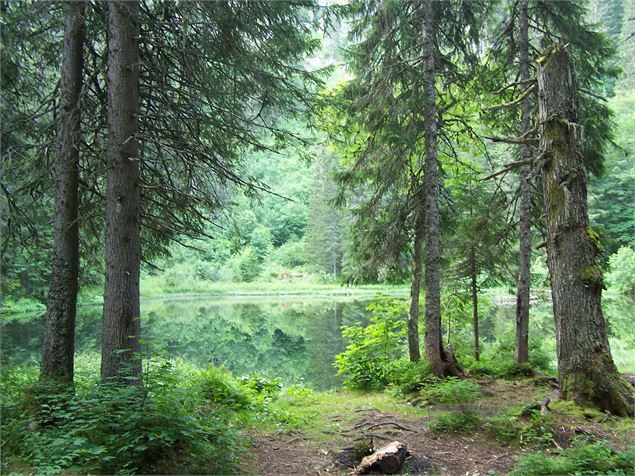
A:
(59, 334)
(511, 53)
(404, 52)
(586, 369)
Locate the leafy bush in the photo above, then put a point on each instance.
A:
(522, 425)
(452, 391)
(22, 305)
(407, 377)
(248, 264)
(118, 430)
(291, 254)
(459, 422)
(366, 360)
(582, 458)
(497, 359)
(218, 386)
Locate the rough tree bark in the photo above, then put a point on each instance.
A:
(59, 332)
(522, 294)
(586, 370)
(121, 326)
(415, 290)
(433, 346)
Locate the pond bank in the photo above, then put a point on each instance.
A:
(507, 434)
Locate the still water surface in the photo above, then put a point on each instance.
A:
(292, 337)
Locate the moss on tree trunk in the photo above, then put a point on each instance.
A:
(585, 367)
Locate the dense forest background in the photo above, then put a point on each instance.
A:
(293, 229)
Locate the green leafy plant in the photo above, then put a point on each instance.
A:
(522, 425)
(408, 377)
(366, 360)
(582, 458)
(621, 277)
(219, 387)
(103, 428)
(452, 391)
(459, 422)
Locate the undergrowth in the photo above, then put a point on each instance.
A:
(180, 419)
(581, 458)
(461, 422)
(522, 425)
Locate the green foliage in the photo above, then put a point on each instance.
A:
(248, 265)
(408, 377)
(22, 305)
(582, 458)
(181, 419)
(118, 430)
(497, 358)
(218, 386)
(452, 391)
(366, 360)
(460, 422)
(621, 277)
(522, 425)
(291, 254)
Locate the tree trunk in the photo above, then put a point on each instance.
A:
(121, 326)
(415, 290)
(586, 370)
(433, 345)
(522, 294)
(474, 289)
(59, 331)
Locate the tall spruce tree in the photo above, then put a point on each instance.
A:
(586, 370)
(59, 333)
(513, 47)
(121, 325)
(402, 52)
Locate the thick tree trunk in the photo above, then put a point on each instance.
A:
(415, 290)
(586, 370)
(59, 331)
(121, 326)
(522, 294)
(433, 346)
(474, 289)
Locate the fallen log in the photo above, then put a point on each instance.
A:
(388, 459)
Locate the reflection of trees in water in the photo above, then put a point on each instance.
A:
(292, 340)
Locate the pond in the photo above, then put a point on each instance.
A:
(295, 338)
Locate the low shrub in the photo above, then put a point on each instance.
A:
(465, 421)
(366, 360)
(405, 376)
(582, 458)
(219, 386)
(108, 429)
(452, 391)
(522, 425)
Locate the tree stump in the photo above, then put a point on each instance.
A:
(388, 459)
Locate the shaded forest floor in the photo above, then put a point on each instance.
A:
(343, 424)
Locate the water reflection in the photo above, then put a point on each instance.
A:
(289, 337)
(296, 340)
